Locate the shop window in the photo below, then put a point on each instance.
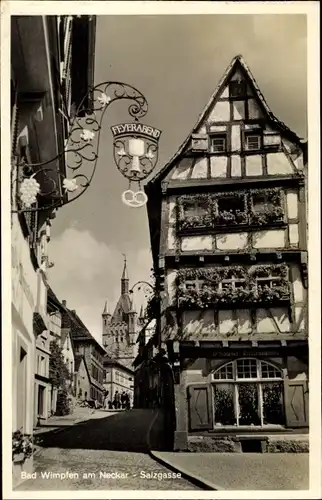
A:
(237, 89)
(218, 143)
(248, 392)
(246, 368)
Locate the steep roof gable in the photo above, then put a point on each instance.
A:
(78, 330)
(79, 359)
(123, 305)
(235, 68)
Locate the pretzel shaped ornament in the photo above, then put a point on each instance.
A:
(134, 199)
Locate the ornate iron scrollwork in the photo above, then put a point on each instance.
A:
(82, 144)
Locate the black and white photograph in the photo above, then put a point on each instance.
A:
(157, 206)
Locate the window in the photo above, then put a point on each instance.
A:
(252, 142)
(121, 339)
(195, 208)
(237, 88)
(262, 202)
(218, 143)
(231, 204)
(268, 278)
(195, 212)
(248, 392)
(246, 368)
(233, 281)
(267, 206)
(231, 210)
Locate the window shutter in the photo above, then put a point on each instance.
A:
(200, 407)
(296, 403)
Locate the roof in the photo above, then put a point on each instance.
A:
(78, 330)
(236, 63)
(78, 359)
(108, 361)
(124, 305)
(125, 274)
(106, 308)
(53, 300)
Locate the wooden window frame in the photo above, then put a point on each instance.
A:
(232, 196)
(250, 134)
(236, 381)
(218, 136)
(199, 220)
(238, 84)
(268, 279)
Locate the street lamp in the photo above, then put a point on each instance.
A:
(135, 152)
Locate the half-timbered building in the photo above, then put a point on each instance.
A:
(228, 229)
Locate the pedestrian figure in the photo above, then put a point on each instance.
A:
(110, 405)
(117, 400)
(127, 401)
(123, 400)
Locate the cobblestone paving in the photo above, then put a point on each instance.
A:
(90, 451)
(134, 471)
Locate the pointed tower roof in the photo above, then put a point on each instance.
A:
(237, 63)
(125, 275)
(106, 308)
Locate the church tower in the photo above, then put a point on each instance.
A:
(106, 322)
(121, 328)
(125, 280)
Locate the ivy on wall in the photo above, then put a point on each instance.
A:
(244, 210)
(59, 377)
(204, 288)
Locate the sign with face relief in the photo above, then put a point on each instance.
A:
(135, 149)
(135, 154)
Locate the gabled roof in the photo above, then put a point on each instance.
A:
(124, 305)
(78, 359)
(77, 328)
(236, 63)
(108, 361)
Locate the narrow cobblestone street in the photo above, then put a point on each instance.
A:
(106, 452)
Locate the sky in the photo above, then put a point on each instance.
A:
(176, 62)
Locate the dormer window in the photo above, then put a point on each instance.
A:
(253, 142)
(218, 143)
(237, 89)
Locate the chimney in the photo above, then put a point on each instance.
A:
(73, 311)
(64, 303)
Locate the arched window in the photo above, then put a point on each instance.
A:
(248, 391)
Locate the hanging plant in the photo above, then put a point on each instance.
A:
(212, 287)
(271, 210)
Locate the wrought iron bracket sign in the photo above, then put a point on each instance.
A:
(43, 186)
